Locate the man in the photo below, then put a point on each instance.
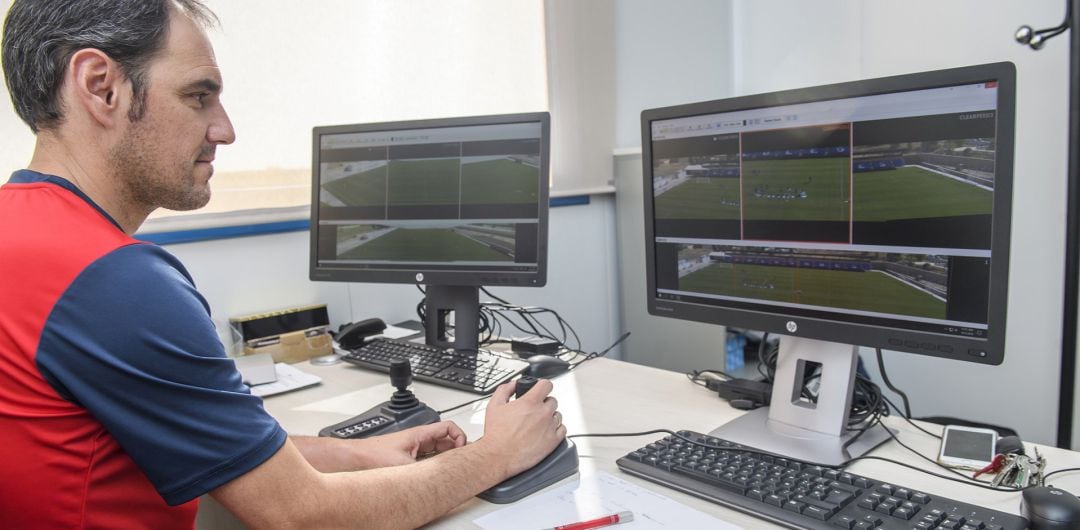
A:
(118, 405)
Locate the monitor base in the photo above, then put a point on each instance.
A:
(754, 429)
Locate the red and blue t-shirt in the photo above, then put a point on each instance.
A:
(118, 404)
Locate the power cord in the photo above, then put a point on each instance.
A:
(597, 355)
(588, 357)
(494, 315)
(465, 404)
(885, 378)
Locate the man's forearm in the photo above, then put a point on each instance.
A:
(413, 495)
(286, 492)
(332, 455)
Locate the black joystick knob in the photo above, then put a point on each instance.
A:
(400, 374)
(523, 385)
(401, 378)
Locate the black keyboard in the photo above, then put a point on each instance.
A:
(798, 495)
(478, 372)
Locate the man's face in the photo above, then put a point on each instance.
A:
(164, 158)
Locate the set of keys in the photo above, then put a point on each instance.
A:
(1016, 470)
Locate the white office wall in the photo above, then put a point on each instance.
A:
(292, 65)
(670, 52)
(253, 274)
(780, 44)
(666, 53)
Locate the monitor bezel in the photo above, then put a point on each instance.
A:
(984, 351)
(436, 275)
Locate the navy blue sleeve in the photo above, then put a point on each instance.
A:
(131, 340)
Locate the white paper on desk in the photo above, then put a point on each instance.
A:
(288, 378)
(596, 496)
(394, 332)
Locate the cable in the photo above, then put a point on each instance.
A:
(627, 434)
(1066, 470)
(494, 315)
(767, 362)
(885, 378)
(907, 419)
(465, 404)
(696, 376)
(596, 355)
(965, 478)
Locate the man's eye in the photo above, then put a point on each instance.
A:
(201, 97)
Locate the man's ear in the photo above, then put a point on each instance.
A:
(95, 84)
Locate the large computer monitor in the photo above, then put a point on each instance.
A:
(871, 213)
(451, 204)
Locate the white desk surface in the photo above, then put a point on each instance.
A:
(604, 396)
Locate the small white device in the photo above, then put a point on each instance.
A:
(967, 447)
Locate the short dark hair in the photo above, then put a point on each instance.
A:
(41, 36)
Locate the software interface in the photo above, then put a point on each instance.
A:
(453, 198)
(877, 207)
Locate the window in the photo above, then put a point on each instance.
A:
(289, 66)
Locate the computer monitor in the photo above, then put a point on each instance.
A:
(451, 204)
(870, 213)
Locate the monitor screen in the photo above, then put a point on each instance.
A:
(873, 213)
(459, 201)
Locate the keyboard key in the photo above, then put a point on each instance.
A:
(844, 521)
(872, 519)
(839, 498)
(903, 513)
(818, 512)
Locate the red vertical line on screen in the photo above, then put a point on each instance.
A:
(851, 183)
(742, 198)
(460, 184)
(386, 189)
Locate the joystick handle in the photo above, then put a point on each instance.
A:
(523, 385)
(400, 374)
(401, 378)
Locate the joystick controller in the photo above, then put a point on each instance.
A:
(559, 464)
(403, 410)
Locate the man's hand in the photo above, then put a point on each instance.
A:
(403, 447)
(522, 432)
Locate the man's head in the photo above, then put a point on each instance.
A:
(136, 80)
(40, 38)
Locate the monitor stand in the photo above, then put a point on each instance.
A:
(795, 427)
(440, 301)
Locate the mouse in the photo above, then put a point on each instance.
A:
(1047, 507)
(546, 366)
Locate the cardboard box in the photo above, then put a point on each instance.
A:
(289, 335)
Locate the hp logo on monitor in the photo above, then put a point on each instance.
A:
(419, 277)
(792, 327)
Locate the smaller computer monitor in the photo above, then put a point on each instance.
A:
(450, 204)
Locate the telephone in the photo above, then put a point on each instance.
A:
(351, 336)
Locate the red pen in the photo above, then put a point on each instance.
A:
(607, 520)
